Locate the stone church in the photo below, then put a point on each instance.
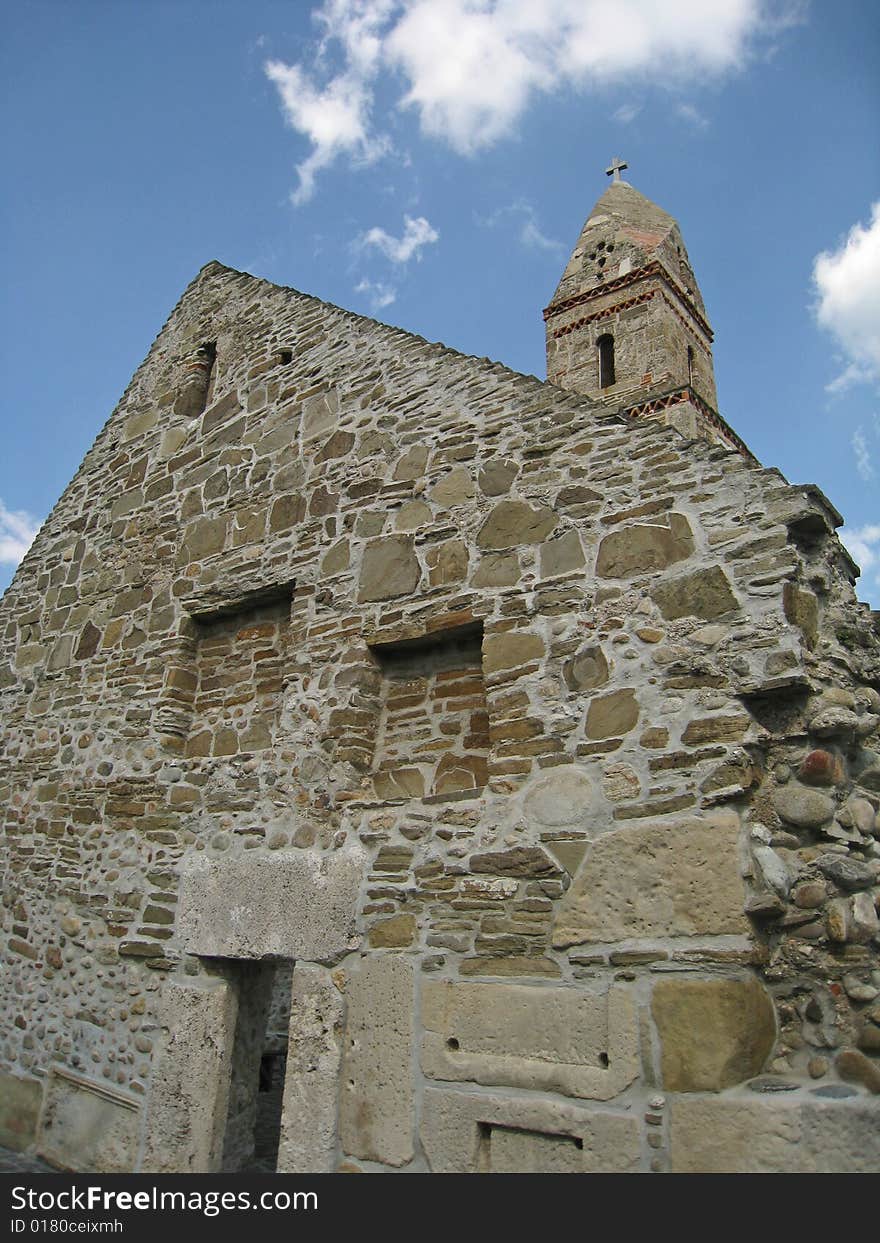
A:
(408, 764)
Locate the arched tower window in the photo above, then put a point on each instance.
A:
(606, 360)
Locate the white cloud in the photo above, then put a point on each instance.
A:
(417, 233)
(530, 234)
(864, 464)
(626, 113)
(692, 115)
(847, 282)
(335, 117)
(470, 68)
(864, 545)
(532, 237)
(17, 531)
(379, 293)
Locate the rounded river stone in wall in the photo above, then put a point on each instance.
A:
(587, 670)
(560, 799)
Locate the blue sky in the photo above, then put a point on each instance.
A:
(431, 162)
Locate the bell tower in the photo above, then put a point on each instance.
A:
(627, 325)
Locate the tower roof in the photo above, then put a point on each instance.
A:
(624, 232)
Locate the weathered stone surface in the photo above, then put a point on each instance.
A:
(512, 523)
(556, 1040)
(560, 799)
(492, 1133)
(88, 642)
(855, 1067)
(713, 1033)
(451, 564)
(822, 768)
(340, 444)
(562, 555)
(399, 783)
(287, 905)
(312, 1079)
(650, 881)
(376, 1108)
(336, 559)
(781, 1135)
(510, 650)
(497, 476)
(518, 861)
(716, 729)
(808, 809)
(611, 716)
(497, 570)
(319, 414)
(773, 870)
(395, 933)
(620, 782)
(846, 872)
(456, 488)
(644, 547)
(20, 1100)
(511, 965)
(188, 1102)
(88, 1125)
(412, 515)
(864, 922)
(705, 593)
(390, 568)
(412, 464)
(587, 670)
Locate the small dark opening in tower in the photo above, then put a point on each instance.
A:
(606, 360)
(690, 365)
(285, 357)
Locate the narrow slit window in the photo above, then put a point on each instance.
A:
(690, 365)
(606, 360)
(195, 387)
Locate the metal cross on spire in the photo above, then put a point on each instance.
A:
(616, 165)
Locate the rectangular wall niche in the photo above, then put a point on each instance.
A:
(511, 1150)
(433, 736)
(239, 666)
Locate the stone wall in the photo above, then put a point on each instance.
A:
(546, 745)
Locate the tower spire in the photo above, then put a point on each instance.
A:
(627, 326)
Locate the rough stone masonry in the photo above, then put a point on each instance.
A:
(502, 756)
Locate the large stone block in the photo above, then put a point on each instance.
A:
(390, 568)
(188, 1099)
(706, 593)
(376, 1107)
(644, 547)
(610, 716)
(311, 1085)
(483, 1133)
(713, 1033)
(567, 1040)
(282, 905)
(680, 878)
(515, 522)
(510, 650)
(718, 1135)
(562, 555)
(20, 1101)
(88, 1125)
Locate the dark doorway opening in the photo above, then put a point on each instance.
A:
(259, 1063)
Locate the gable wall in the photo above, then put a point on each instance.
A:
(681, 702)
